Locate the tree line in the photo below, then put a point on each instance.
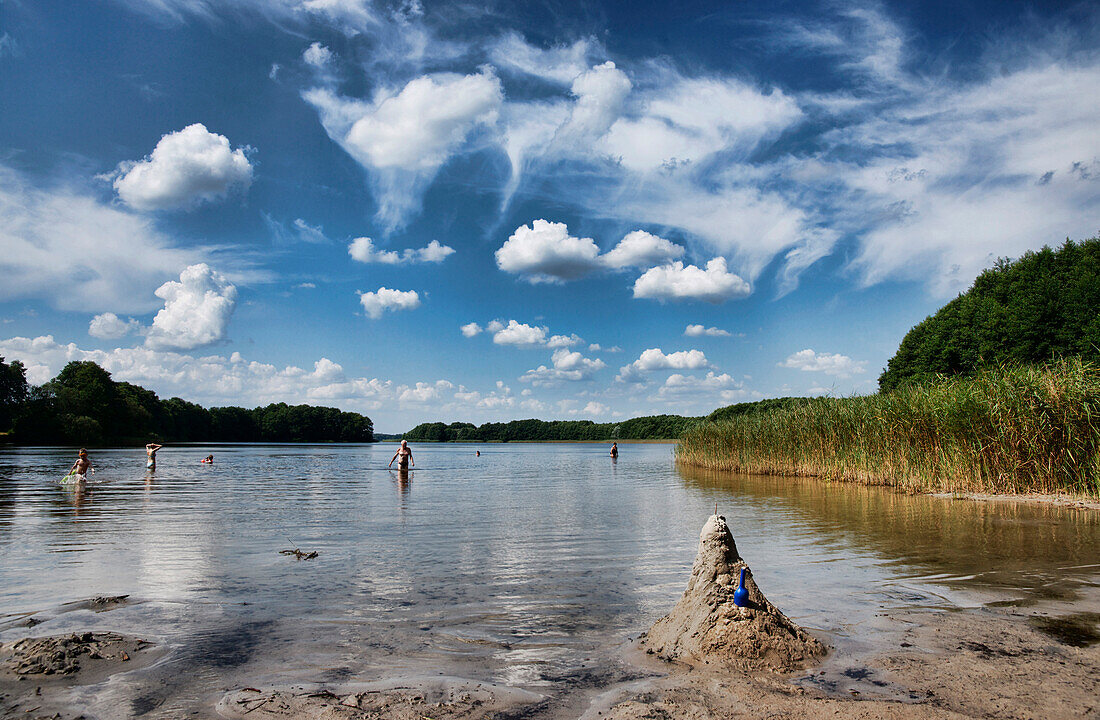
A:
(653, 427)
(84, 406)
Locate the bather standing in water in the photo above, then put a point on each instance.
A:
(614, 450)
(404, 456)
(151, 455)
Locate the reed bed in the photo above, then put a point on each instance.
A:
(1006, 430)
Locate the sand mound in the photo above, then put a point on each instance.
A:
(439, 698)
(707, 627)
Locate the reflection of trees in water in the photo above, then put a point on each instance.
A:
(1039, 547)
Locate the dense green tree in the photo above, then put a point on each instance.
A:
(185, 421)
(90, 409)
(1044, 306)
(234, 424)
(13, 391)
(38, 421)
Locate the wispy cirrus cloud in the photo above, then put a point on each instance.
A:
(63, 245)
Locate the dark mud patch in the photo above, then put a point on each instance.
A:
(1077, 630)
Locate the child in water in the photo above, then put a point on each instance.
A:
(209, 460)
(79, 471)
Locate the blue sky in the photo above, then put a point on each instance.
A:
(479, 212)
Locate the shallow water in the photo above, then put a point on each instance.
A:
(530, 565)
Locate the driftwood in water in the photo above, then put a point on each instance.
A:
(299, 554)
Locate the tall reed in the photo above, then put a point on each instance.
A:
(1006, 430)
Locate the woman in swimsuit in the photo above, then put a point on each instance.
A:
(151, 455)
(404, 456)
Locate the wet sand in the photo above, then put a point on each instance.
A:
(966, 664)
(40, 676)
(1081, 502)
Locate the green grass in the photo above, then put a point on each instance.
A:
(1008, 430)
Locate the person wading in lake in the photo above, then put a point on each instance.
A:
(151, 455)
(81, 467)
(615, 450)
(404, 457)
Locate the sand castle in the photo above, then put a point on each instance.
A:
(707, 627)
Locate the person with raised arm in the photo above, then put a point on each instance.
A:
(151, 456)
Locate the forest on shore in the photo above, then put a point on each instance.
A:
(999, 391)
(83, 405)
(653, 427)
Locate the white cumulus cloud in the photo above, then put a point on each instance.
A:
(700, 331)
(317, 55)
(641, 249)
(828, 363)
(595, 408)
(564, 341)
(674, 281)
(364, 250)
(546, 252)
(423, 392)
(196, 310)
(656, 359)
(377, 302)
(187, 167)
(517, 333)
(688, 390)
(109, 326)
(566, 365)
(470, 329)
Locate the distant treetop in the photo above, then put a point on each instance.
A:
(1045, 305)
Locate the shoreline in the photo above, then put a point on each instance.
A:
(656, 441)
(1083, 502)
(1063, 499)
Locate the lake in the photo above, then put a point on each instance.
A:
(532, 565)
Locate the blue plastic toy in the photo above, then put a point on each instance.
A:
(741, 595)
